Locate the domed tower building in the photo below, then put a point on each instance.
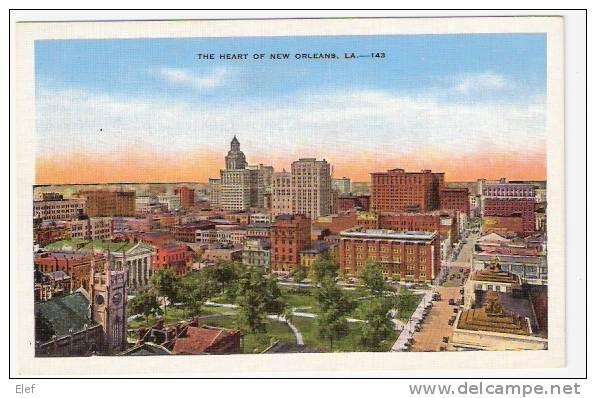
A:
(235, 160)
(239, 182)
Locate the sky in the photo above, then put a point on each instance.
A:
(143, 110)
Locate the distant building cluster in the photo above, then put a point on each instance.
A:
(94, 246)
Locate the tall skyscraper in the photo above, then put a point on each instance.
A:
(311, 187)
(281, 193)
(242, 186)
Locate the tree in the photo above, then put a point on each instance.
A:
(44, 331)
(166, 282)
(257, 296)
(406, 302)
(298, 274)
(378, 326)
(335, 305)
(145, 303)
(223, 273)
(372, 278)
(194, 290)
(324, 267)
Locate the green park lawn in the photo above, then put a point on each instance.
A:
(350, 343)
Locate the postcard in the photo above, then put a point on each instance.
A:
(238, 196)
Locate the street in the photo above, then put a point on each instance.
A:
(436, 325)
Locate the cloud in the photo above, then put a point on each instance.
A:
(339, 125)
(487, 81)
(184, 77)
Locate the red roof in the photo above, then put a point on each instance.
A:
(198, 340)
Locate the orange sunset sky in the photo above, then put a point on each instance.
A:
(155, 167)
(147, 110)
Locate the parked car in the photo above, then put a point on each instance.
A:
(451, 302)
(445, 339)
(455, 310)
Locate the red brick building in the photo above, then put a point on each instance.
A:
(47, 233)
(156, 238)
(443, 222)
(512, 207)
(177, 256)
(509, 200)
(397, 190)
(76, 265)
(187, 232)
(408, 256)
(349, 202)
(103, 203)
(337, 222)
(290, 234)
(457, 199)
(502, 225)
(187, 196)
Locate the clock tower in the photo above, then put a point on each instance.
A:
(108, 299)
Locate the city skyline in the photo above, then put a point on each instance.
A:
(469, 105)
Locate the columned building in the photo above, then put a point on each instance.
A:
(137, 261)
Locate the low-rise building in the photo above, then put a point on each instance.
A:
(257, 253)
(524, 258)
(171, 201)
(214, 255)
(316, 251)
(56, 208)
(290, 234)
(50, 231)
(75, 264)
(260, 218)
(498, 321)
(92, 228)
(188, 232)
(186, 338)
(347, 202)
(176, 256)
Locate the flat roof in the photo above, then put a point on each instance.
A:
(388, 234)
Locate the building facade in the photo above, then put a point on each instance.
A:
(214, 185)
(257, 253)
(281, 193)
(137, 262)
(407, 256)
(349, 202)
(104, 203)
(311, 187)
(290, 234)
(92, 228)
(510, 199)
(176, 256)
(457, 199)
(187, 196)
(239, 181)
(342, 185)
(58, 208)
(74, 264)
(397, 190)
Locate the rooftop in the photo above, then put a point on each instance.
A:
(199, 340)
(387, 234)
(63, 315)
(499, 313)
